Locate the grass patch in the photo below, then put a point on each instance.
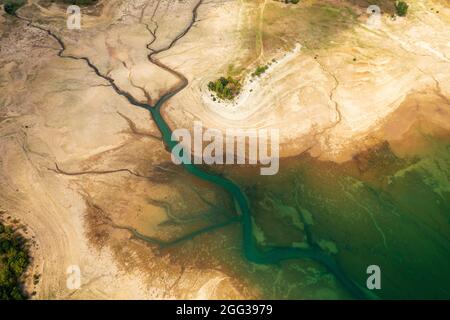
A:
(289, 1)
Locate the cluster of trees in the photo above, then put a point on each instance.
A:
(225, 88)
(13, 262)
(401, 7)
(11, 6)
(260, 70)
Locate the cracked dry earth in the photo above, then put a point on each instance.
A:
(88, 174)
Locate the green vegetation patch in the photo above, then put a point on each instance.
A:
(11, 6)
(401, 8)
(225, 88)
(13, 262)
(260, 70)
(315, 25)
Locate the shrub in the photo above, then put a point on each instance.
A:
(260, 70)
(11, 6)
(401, 7)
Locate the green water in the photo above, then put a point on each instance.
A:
(385, 211)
